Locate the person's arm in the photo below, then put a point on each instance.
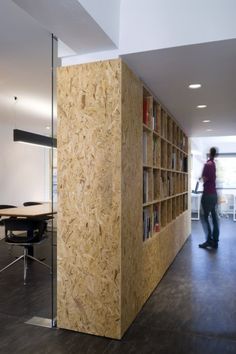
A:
(205, 173)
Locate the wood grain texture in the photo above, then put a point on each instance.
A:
(131, 194)
(89, 182)
(105, 271)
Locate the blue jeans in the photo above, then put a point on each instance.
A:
(209, 204)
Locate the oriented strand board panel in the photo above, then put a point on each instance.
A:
(132, 197)
(89, 173)
(105, 270)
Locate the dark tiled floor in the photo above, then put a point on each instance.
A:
(193, 310)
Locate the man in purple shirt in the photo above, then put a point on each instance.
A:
(209, 203)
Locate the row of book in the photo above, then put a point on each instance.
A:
(150, 222)
(166, 186)
(160, 121)
(172, 160)
(150, 113)
(169, 185)
(155, 152)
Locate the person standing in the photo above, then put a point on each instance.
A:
(209, 203)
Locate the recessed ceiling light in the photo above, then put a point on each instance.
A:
(202, 106)
(209, 130)
(194, 86)
(47, 127)
(206, 121)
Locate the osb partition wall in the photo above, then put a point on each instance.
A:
(89, 180)
(105, 270)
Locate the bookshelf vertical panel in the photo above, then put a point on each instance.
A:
(147, 147)
(163, 153)
(131, 194)
(169, 129)
(169, 211)
(89, 180)
(173, 208)
(147, 185)
(163, 123)
(169, 156)
(163, 213)
(156, 151)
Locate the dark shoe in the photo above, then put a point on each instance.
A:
(205, 244)
(214, 245)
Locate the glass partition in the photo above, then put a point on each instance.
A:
(28, 175)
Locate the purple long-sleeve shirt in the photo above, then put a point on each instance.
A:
(209, 177)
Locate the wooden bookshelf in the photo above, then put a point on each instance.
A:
(166, 149)
(123, 210)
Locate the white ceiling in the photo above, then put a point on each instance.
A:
(168, 72)
(70, 22)
(25, 62)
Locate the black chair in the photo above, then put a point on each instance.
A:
(43, 218)
(5, 206)
(35, 234)
(31, 203)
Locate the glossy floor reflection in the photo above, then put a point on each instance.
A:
(193, 310)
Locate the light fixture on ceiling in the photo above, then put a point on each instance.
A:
(209, 130)
(206, 121)
(23, 136)
(48, 127)
(194, 86)
(202, 106)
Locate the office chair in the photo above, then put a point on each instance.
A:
(31, 203)
(35, 235)
(42, 218)
(45, 218)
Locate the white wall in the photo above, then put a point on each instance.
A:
(154, 24)
(107, 14)
(24, 173)
(201, 146)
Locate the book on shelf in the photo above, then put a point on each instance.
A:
(147, 110)
(155, 185)
(146, 224)
(145, 186)
(145, 147)
(156, 225)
